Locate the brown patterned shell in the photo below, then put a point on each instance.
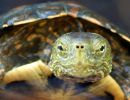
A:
(27, 34)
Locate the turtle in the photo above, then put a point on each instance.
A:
(65, 50)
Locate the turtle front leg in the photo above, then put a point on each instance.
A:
(108, 85)
(35, 73)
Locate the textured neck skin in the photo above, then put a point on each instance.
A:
(81, 57)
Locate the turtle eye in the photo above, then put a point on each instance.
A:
(62, 51)
(60, 48)
(102, 48)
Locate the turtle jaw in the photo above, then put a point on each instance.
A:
(92, 78)
(79, 75)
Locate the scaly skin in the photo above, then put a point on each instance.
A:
(75, 57)
(81, 57)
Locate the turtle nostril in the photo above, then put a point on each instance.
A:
(77, 46)
(82, 46)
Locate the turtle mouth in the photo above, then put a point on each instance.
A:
(92, 78)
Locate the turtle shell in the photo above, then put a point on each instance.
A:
(27, 34)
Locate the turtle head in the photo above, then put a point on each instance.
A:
(81, 57)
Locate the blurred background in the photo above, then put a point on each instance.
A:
(117, 11)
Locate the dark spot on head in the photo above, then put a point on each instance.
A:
(77, 46)
(60, 48)
(82, 46)
(102, 48)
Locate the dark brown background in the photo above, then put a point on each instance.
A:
(117, 11)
